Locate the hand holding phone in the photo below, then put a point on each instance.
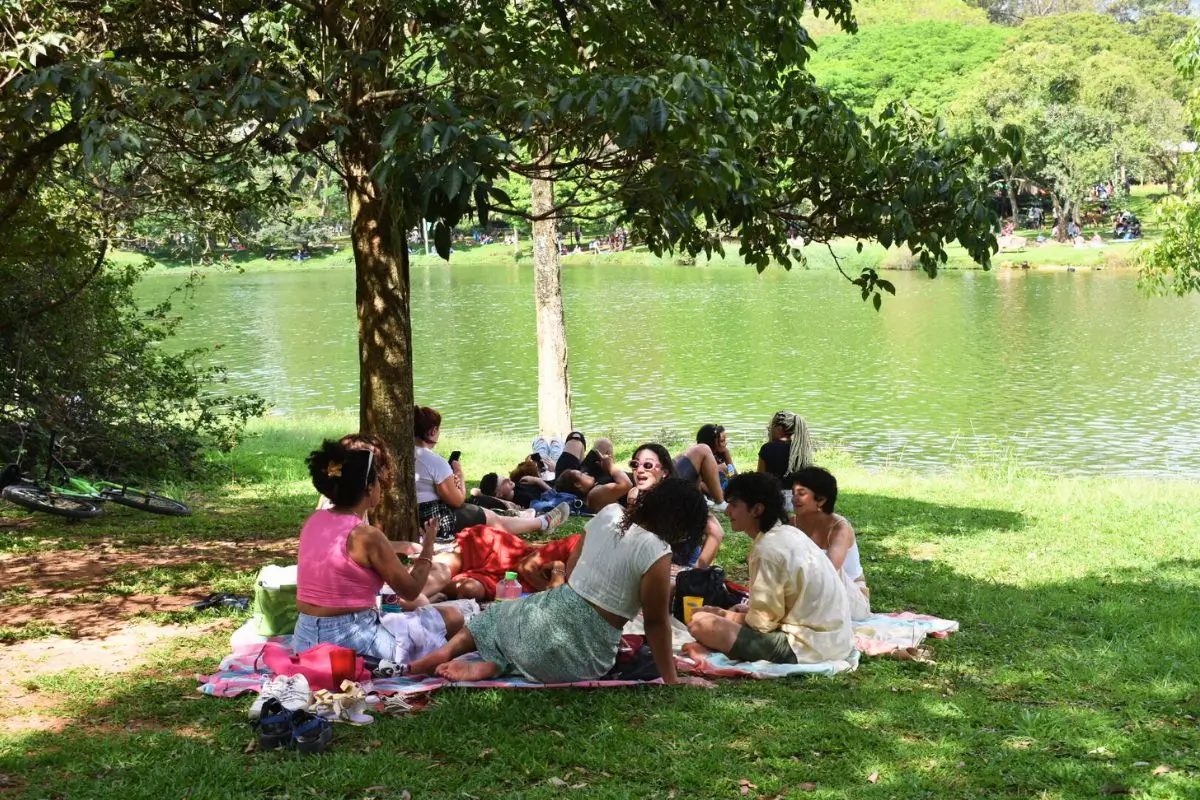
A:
(455, 456)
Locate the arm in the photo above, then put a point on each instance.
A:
(841, 539)
(574, 559)
(538, 482)
(452, 490)
(766, 605)
(762, 465)
(656, 612)
(601, 496)
(381, 557)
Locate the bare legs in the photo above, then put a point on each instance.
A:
(712, 632)
(702, 458)
(442, 661)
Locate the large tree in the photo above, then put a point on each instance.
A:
(1173, 263)
(696, 120)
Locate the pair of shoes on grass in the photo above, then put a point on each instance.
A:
(292, 692)
(348, 705)
(299, 729)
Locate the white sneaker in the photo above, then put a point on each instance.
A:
(271, 688)
(718, 508)
(296, 693)
(557, 516)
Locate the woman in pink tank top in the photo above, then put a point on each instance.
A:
(343, 562)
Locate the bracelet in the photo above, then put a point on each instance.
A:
(423, 558)
(558, 571)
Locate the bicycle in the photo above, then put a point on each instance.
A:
(77, 498)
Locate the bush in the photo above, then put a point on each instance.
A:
(83, 360)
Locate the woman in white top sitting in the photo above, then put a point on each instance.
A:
(814, 494)
(442, 492)
(621, 565)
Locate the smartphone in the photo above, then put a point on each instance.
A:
(457, 454)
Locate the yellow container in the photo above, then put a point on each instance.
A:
(691, 604)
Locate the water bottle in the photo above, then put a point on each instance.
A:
(509, 588)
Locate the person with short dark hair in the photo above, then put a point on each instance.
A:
(797, 612)
(814, 497)
(621, 566)
(592, 474)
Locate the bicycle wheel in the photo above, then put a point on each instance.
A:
(37, 499)
(145, 501)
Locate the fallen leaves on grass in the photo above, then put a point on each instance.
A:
(745, 786)
(807, 787)
(873, 777)
(1161, 769)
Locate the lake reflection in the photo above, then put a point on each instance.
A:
(1070, 371)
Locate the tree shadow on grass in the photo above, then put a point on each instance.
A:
(1058, 688)
(880, 512)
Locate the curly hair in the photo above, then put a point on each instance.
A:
(525, 468)
(385, 457)
(343, 474)
(753, 488)
(674, 511)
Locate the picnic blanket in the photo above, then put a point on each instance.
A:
(245, 669)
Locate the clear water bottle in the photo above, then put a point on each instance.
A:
(509, 588)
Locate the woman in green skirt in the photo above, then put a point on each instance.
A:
(622, 565)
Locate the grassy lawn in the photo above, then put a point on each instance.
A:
(1075, 675)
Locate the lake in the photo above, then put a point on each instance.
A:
(1072, 372)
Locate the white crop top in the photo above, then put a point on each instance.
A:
(610, 567)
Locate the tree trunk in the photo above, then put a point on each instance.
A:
(1012, 201)
(1062, 215)
(382, 294)
(554, 387)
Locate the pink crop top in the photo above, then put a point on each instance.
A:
(326, 574)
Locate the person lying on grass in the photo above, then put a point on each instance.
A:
(797, 612)
(651, 464)
(442, 493)
(595, 477)
(621, 565)
(814, 495)
(481, 556)
(510, 494)
(343, 562)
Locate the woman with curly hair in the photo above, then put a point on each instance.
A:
(651, 464)
(343, 563)
(621, 566)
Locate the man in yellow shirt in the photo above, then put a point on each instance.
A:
(798, 612)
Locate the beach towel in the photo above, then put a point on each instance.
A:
(245, 669)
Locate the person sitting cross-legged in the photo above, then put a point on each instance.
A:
(797, 612)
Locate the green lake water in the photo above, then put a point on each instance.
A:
(1072, 372)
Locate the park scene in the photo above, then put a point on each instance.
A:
(540, 399)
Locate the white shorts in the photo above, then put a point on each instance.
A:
(418, 633)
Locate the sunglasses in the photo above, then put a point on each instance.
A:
(646, 465)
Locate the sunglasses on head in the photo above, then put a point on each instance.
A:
(633, 464)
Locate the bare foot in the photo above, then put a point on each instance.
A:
(695, 651)
(458, 671)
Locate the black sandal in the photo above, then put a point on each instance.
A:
(577, 435)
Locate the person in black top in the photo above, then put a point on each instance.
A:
(789, 448)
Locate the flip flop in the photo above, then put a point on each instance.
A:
(221, 599)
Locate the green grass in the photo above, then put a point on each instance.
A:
(1078, 659)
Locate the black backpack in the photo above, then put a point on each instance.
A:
(708, 583)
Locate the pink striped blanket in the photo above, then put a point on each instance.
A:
(244, 670)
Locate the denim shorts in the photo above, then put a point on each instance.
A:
(361, 631)
(396, 637)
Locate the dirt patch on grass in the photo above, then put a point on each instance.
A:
(21, 665)
(70, 591)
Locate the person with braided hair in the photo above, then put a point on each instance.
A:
(789, 449)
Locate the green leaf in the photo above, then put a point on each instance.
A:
(441, 239)
(877, 300)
